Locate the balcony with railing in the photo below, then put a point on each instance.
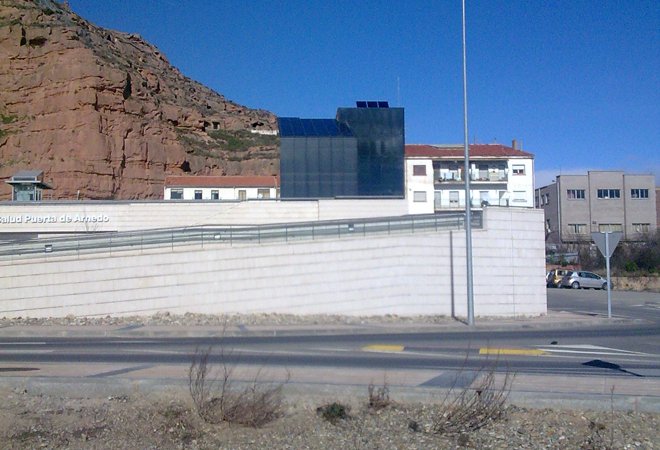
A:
(486, 172)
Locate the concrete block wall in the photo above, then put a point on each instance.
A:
(405, 274)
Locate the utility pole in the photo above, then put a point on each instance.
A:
(468, 199)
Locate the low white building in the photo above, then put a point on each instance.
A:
(499, 176)
(221, 188)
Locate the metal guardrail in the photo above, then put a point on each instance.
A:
(207, 235)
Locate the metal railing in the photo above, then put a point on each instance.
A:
(208, 235)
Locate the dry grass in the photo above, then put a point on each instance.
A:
(379, 397)
(217, 399)
(473, 407)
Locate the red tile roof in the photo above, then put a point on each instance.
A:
(457, 151)
(222, 181)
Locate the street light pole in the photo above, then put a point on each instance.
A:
(468, 200)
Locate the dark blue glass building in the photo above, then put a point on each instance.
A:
(358, 154)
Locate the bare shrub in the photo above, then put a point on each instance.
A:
(200, 383)
(379, 397)
(255, 405)
(216, 399)
(333, 412)
(473, 407)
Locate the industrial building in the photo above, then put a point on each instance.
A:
(575, 206)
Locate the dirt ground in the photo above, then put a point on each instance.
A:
(32, 420)
(637, 284)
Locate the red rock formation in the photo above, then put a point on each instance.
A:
(105, 115)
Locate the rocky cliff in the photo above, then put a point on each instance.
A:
(105, 115)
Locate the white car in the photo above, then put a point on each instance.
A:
(582, 279)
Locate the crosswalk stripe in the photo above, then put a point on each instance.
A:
(383, 348)
(590, 350)
(511, 351)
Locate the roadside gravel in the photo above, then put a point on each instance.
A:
(30, 420)
(191, 319)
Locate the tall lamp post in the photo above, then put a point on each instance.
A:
(468, 199)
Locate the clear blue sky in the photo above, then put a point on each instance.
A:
(575, 81)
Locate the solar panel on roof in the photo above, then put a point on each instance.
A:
(306, 127)
(298, 128)
(284, 127)
(326, 128)
(315, 127)
(372, 104)
(361, 104)
(383, 104)
(294, 126)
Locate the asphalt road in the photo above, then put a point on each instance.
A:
(557, 351)
(626, 350)
(618, 349)
(625, 304)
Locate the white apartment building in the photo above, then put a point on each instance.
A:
(238, 188)
(499, 176)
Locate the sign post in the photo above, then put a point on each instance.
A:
(606, 243)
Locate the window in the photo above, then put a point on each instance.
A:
(639, 193)
(242, 194)
(198, 194)
(215, 194)
(609, 193)
(419, 196)
(545, 199)
(641, 227)
(519, 197)
(453, 199)
(263, 193)
(518, 169)
(483, 171)
(419, 170)
(484, 198)
(176, 194)
(577, 228)
(575, 194)
(609, 227)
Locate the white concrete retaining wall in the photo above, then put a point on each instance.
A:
(405, 274)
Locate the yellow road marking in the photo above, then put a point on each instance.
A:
(383, 348)
(511, 351)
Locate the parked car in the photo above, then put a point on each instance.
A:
(554, 277)
(548, 276)
(582, 279)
